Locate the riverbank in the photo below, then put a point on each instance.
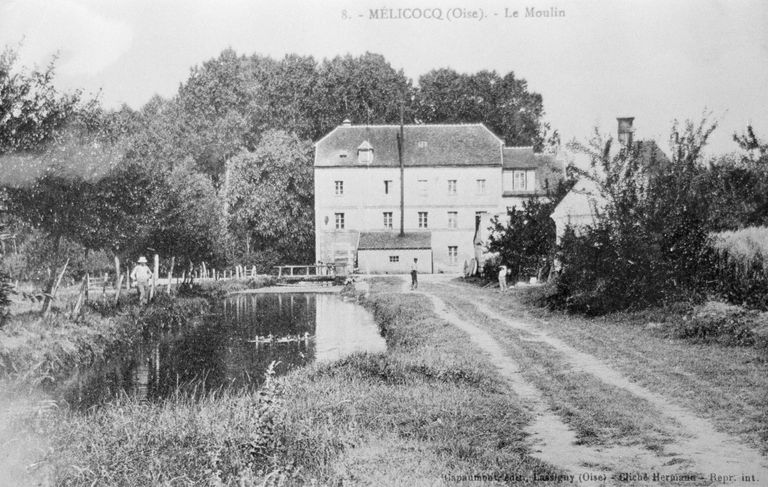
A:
(430, 409)
(38, 349)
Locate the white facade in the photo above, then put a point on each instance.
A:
(449, 197)
(453, 175)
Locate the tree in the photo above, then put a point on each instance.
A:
(32, 111)
(504, 104)
(365, 89)
(649, 243)
(737, 185)
(182, 218)
(525, 243)
(269, 195)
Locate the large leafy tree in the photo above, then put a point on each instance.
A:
(182, 218)
(503, 103)
(31, 109)
(32, 114)
(269, 195)
(648, 243)
(365, 89)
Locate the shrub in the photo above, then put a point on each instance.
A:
(648, 245)
(722, 323)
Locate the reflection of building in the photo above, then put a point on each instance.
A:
(342, 328)
(452, 175)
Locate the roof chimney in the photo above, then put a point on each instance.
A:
(625, 131)
(346, 123)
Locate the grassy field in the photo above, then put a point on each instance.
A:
(430, 407)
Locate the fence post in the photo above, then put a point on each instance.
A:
(155, 273)
(49, 299)
(170, 274)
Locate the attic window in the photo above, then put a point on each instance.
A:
(422, 144)
(365, 153)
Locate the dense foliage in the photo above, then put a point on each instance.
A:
(525, 241)
(649, 240)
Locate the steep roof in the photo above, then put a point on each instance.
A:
(650, 154)
(393, 240)
(425, 145)
(523, 158)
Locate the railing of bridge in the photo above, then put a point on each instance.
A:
(306, 270)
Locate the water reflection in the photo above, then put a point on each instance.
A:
(232, 347)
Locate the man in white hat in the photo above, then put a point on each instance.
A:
(141, 276)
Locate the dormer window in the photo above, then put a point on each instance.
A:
(365, 153)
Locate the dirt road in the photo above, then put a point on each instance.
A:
(692, 452)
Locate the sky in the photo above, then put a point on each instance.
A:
(596, 60)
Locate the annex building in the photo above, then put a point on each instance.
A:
(380, 203)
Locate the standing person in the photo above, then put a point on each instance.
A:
(141, 276)
(415, 274)
(503, 278)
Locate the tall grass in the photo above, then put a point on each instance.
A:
(745, 247)
(738, 266)
(224, 438)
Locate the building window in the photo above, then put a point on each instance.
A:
(520, 180)
(339, 188)
(453, 217)
(387, 186)
(423, 223)
(393, 259)
(388, 219)
(339, 221)
(453, 254)
(422, 185)
(365, 153)
(451, 186)
(480, 185)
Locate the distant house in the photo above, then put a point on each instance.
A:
(453, 178)
(580, 206)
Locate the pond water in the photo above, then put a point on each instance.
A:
(231, 348)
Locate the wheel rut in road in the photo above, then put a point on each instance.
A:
(698, 445)
(551, 439)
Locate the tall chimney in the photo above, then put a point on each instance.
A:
(625, 131)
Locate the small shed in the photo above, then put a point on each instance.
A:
(392, 253)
